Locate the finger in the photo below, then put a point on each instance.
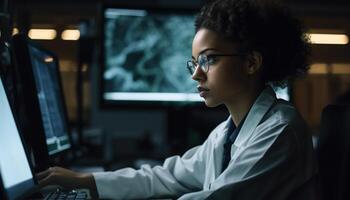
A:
(45, 181)
(43, 174)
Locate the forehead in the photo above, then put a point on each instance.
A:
(208, 39)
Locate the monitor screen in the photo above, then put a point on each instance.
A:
(52, 108)
(145, 54)
(16, 174)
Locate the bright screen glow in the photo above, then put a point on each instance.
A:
(145, 56)
(14, 166)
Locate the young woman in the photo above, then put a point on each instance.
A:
(263, 150)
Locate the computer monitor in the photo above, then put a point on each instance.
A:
(144, 56)
(42, 88)
(16, 173)
(2, 192)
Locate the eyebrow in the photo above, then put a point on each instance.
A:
(204, 50)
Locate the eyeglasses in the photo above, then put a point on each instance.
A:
(204, 61)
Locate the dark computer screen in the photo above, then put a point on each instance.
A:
(41, 84)
(49, 93)
(145, 54)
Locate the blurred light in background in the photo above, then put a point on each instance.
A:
(320, 38)
(15, 31)
(48, 59)
(42, 34)
(331, 68)
(70, 34)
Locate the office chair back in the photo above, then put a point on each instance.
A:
(333, 152)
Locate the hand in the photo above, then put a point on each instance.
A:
(67, 179)
(59, 176)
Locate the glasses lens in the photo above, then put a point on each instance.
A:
(203, 62)
(191, 66)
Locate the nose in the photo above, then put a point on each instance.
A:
(198, 74)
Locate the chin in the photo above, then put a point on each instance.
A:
(210, 103)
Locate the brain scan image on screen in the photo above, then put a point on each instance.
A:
(145, 55)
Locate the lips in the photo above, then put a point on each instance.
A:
(203, 92)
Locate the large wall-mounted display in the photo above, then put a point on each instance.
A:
(145, 54)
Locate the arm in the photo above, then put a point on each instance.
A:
(177, 176)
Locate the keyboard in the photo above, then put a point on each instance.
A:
(60, 194)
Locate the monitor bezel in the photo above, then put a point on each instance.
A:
(133, 104)
(2, 192)
(22, 44)
(29, 185)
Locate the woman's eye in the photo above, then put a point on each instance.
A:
(211, 59)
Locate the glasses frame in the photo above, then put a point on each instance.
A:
(205, 67)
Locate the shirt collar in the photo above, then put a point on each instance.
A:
(232, 130)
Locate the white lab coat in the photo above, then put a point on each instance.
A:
(272, 158)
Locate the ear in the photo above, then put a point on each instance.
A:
(254, 62)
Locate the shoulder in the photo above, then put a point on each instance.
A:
(284, 112)
(285, 121)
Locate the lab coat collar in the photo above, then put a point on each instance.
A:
(260, 107)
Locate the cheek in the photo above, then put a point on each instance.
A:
(230, 75)
(228, 81)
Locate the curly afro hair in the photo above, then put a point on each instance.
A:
(264, 26)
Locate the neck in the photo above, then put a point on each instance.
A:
(240, 106)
